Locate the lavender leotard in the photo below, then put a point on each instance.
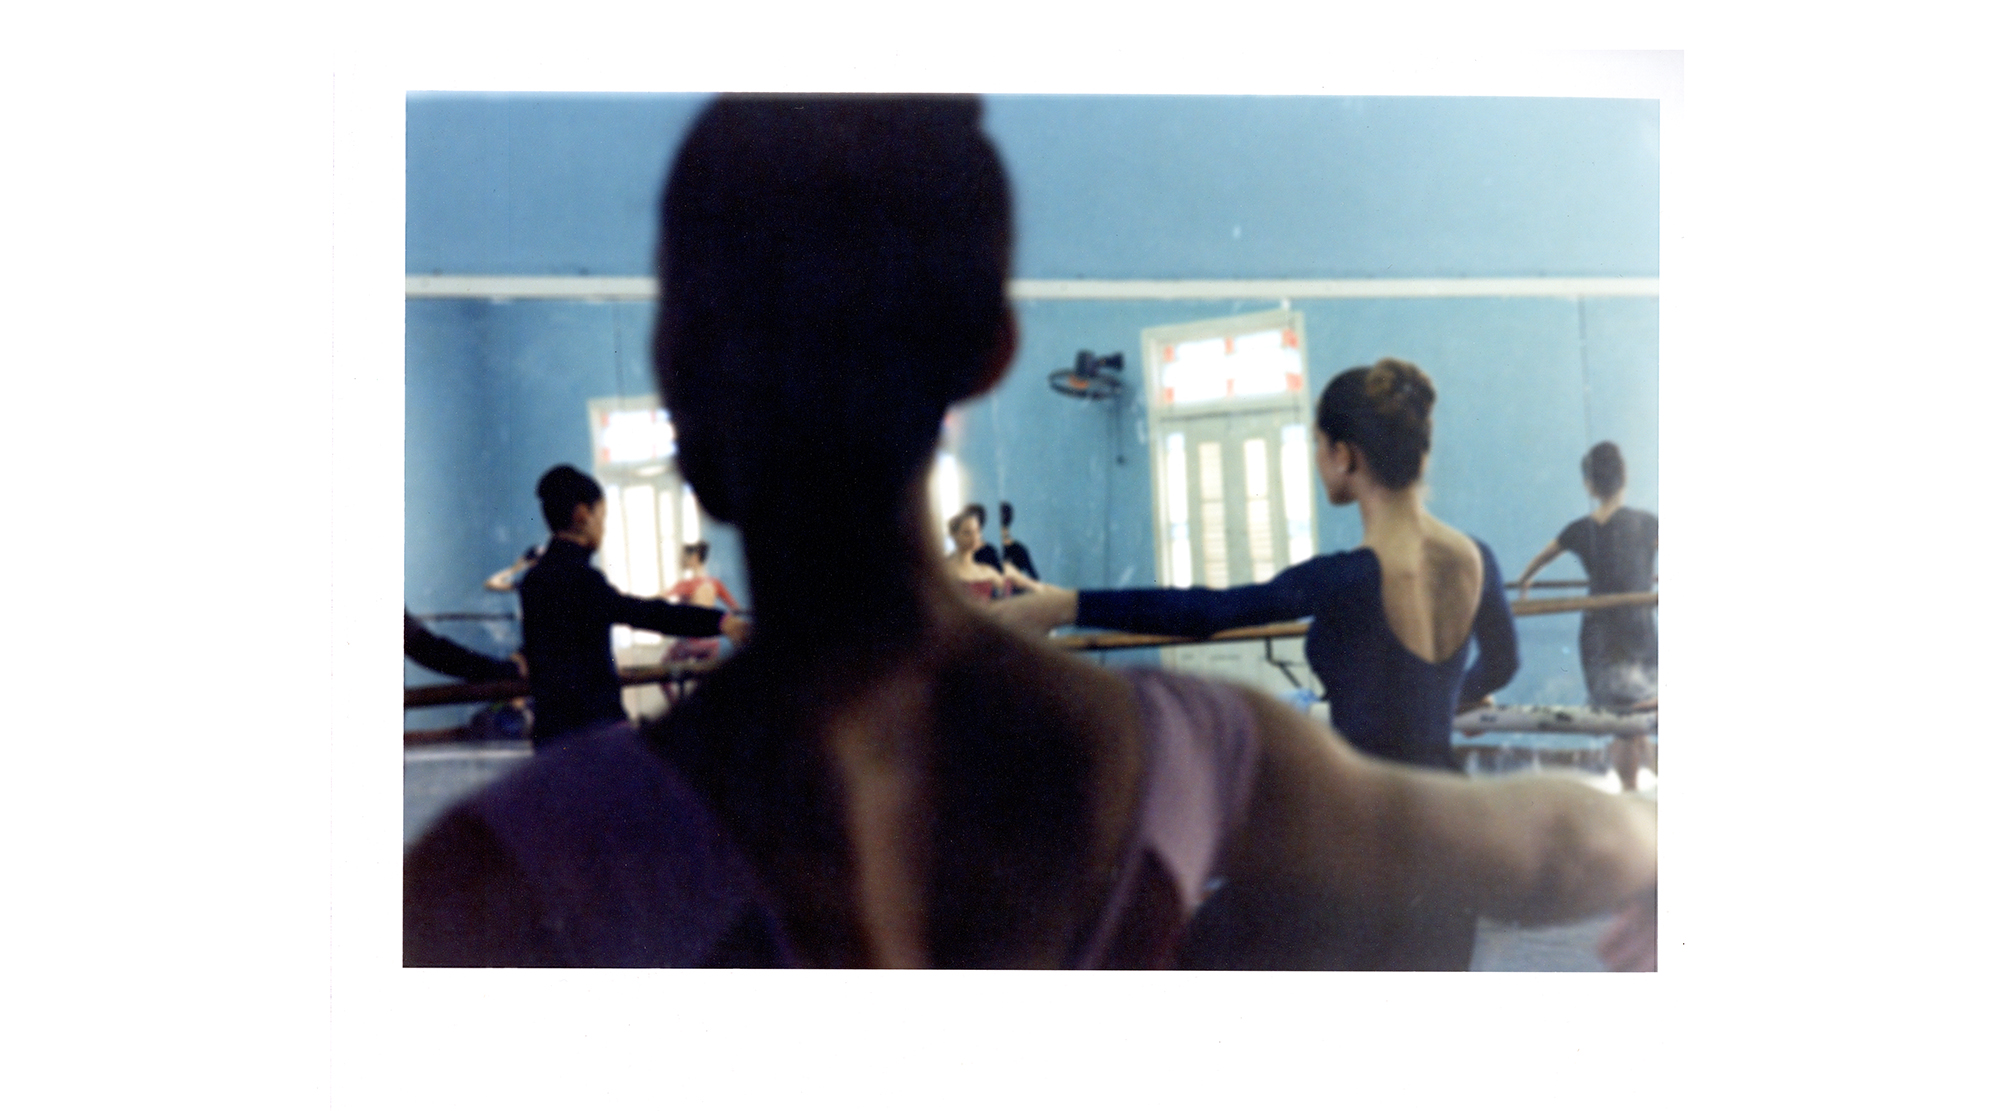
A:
(599, 854)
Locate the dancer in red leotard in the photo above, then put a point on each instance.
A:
(696, 587)
(980, 579)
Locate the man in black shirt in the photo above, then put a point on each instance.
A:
(567, 610)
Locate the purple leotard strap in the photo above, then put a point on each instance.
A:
(1201, 762)
(624, 853)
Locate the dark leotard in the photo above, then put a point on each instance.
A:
(1385, 699)
(1620, 647)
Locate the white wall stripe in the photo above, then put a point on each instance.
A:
(528, 287)
(1315, 289)
(509, 287)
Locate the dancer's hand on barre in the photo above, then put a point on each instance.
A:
(1542, 559)
(1035, 614)
(737, 629)
(1632, 942)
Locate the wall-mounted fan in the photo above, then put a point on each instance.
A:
(1092, 378)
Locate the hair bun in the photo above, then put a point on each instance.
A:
(1384, 409)
(1400, 391)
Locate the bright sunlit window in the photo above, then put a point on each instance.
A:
(1256, 364)
(634, 436)
(947, 492)
(1181, 549)
(1257, 508)
(690, 516)
(1295, 472)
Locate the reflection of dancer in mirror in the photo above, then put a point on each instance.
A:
(1620, 647)
(987, 553)
(884, 776)
(696, 587)
(1010, 556)
(984, 581)
(568, 608)
(1011, 549)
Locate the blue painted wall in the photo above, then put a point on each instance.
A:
(1123, 187)
(1106, 187)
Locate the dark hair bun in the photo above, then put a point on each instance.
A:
(1400, 392)
(1385, 411)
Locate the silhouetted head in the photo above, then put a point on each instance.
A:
(1006, 515)
(1604, 470)
(1385, 411)
(561, 489)
(833, 276)
(695, 553)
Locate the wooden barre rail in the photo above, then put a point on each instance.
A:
(449, 694)
(1539, 584)
(1532, 607)
(1099, 642)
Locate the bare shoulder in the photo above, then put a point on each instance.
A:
(1018, 712)
(1047, 680)
(1026, 688)
(1451, 550)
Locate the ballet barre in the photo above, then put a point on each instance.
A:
(451, 694)
(1585, 720)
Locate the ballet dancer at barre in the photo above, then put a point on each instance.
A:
(1620, 648)
(982, 580)
(884, 776)
(695, 587)
(1393, 621)
(568, 608)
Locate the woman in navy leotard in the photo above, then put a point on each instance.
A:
(1393, 625)
(1394, 620)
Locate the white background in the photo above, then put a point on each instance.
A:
(204, 296)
